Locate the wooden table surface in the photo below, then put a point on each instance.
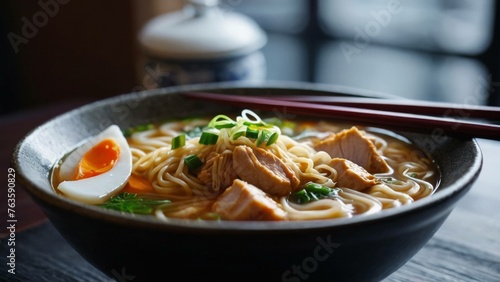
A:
(465, 248)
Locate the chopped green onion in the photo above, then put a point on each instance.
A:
(178, 141)
(272, 139)
(221, 121)
(208, 138)
(193, 162)
(250, 116)
(238, 134)
(260, 124)
(263, 137)
(249, 124)
(252, 133)
(225, 124)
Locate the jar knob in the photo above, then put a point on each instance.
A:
(201, 6)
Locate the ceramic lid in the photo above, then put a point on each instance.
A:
(201, 30)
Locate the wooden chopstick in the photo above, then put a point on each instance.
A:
(438, 126)
(403, 106)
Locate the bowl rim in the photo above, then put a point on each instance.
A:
(41, 196)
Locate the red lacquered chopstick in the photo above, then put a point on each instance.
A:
(403, 106)
(388, 119)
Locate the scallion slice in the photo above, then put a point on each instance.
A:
(263, 137)
(272, 139)
(178, 141)
(193, 162)
(221, 121)
(250, 123)
(238, 134)
(252, 133)
(225, 124)
(208, 138)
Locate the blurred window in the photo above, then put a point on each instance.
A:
(428, 49)
(450, 26)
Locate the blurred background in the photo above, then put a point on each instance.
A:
(443, 50)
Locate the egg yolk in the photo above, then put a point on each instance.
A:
(98, 160)
(137, 184)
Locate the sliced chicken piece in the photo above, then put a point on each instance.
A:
(351, 175)
(244, 201)
(218, 172)
(264, 170)
(354, 145)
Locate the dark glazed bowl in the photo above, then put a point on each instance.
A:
(362, 248)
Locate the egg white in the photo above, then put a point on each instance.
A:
(97, 189)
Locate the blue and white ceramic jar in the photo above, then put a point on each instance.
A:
(203, 43)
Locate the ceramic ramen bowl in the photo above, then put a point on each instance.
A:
(361, 248)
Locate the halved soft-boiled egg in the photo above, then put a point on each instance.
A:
(98, 169)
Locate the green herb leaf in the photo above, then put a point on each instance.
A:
(129, 202)
(300, 197)
(313, 192)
